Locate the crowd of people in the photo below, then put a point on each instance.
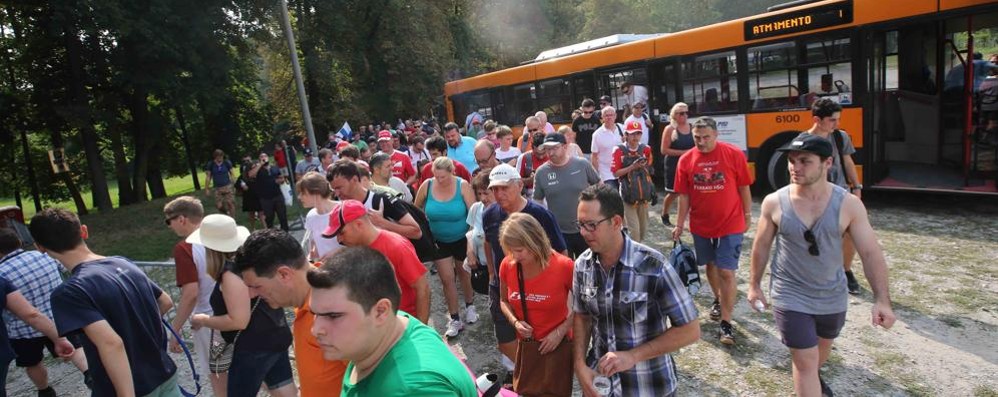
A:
(551, 227)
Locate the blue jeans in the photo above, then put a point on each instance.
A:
(249, 369)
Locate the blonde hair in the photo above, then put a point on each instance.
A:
(186, 206)
(215, 262)
(523, 231)
(676, 107)
(443, 163)
(564, 130)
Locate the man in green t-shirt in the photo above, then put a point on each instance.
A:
(355, 300)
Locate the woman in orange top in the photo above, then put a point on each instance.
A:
(547, 279)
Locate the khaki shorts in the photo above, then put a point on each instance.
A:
(225, 195)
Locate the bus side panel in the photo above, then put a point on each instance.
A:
(954, 4)
(761, 126)
(865, 12)
(510, 76)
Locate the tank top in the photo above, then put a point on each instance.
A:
(267, 331)
(803, 282)
(448, 219)
(684, 142)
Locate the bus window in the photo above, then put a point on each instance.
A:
(584, 87)
(554, 98)
(523, 102)
(773, 76)
(624, 87)
(829, 71)
(710, 83)
(665, 89)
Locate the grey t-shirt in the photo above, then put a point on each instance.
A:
(305, 166)
(561, 187)
(836, 174)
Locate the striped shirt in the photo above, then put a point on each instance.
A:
(35, 275)
(629, 305)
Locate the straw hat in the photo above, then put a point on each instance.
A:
(220, 233)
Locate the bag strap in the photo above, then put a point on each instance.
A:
(840, 144)
(236, 339)
(190, 362)
(523, 292)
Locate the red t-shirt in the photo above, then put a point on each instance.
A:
(712, 180)
(183, 256)
(459, 169)
(527, 174)
(618, 158)
(280, 158)
(408, 268)
(547, 293)
(402, 165)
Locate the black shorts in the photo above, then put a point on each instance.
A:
(426, 250)
(31, 351)
(457, 249)
(670, 178)
(801, 330)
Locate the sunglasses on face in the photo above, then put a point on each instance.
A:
(534, 130)
(681, 113)
(170, 219)
(812, 243)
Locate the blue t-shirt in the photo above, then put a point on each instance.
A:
(6, 352)
(220, 175)
(115, 290)
(494, 217)
(464, 154)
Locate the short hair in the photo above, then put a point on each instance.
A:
(315, 184)
(217, 153)
(563, 130)
(480, 181)
(350, 151)
(9, 241)
(531, 119)
(676, 107)
(825, 107)
(610, 202)
(267, 249)
(344, 168)
(705, 122)
(56, 230)
(608, 109)
(450, 126)
(365, 273)
(588, 103)
(416, 140)
(436, 143)
(486, 144)
(521, 230)
(324, 153)
(504, 131)
(186, 206)
(443, 163)
(378, 158)
(489, 125)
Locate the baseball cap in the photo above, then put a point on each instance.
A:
(341, 145)
(633, 126)
(554, 138)
(502, 175)
(605, 98)
(343, 213)
(308, 152)
(809, 143)
(384, 135)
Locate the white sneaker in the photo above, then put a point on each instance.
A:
(454, 327)
(470, 314)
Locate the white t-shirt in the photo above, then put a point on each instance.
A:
(504, 156)
(316, 224)
(644, 127)
(476, 235)
(604, 141)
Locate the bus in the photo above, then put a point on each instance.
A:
(910, 75)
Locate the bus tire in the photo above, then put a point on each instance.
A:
(771, 165)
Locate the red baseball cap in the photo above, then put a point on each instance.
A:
(342, 214)
(341, 145)
(633, 126)
(384, 135)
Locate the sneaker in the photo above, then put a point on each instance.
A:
(454, 327)
(470, 314)
(715, 310)
(666, 221)
(825, 390)
(727, 333)
(47, 392)
(852, 283)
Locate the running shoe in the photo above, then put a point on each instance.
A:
(825, 390)
(727, 333)
(715, 310)
(852, 283)
(470, 314)
(454, 327)
(666, 221)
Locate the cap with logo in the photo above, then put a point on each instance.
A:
(554, 138)
(343, 213)
(384, 135)
(503, 175)
(809, 143)
(308, 152)
(633, 126)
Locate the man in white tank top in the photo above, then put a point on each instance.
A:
(807, 220)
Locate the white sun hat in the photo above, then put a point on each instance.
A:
(220, 233)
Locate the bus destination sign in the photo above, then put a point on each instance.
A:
(839, 13)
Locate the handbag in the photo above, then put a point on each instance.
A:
(536, 374)
(220, 351)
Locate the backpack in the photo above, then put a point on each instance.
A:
(425, 245)
(684, 261)
(635, 187)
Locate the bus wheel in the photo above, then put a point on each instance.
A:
(771, 165)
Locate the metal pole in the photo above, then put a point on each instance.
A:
(302, 97)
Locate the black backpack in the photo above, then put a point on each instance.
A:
(425, 245)
(684, 261)
(635, 187)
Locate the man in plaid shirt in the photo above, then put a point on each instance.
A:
(35, 275)
(623, 293)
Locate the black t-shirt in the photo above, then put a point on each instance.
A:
(267, 330)
(584, 129)
(391, 209)
(266, 183)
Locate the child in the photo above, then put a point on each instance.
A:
(573, 149)
(506, 153)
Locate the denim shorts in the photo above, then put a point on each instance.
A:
(505, 332)
(249, 369)
(723, 252)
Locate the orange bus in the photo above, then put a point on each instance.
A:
(914, 93)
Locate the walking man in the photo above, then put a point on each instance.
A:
(267, 184)
(309, 163)
(559, 182)
(713, 183)
(586, 125)
(807, 289)
(622, 293)
(221, 172)
(605, 140)
(827, 114)
(460, 148)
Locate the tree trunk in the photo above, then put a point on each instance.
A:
(184, 138)
(126, 195)
(74, 191)
(138, 103)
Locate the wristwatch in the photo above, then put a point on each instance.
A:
(858, 186)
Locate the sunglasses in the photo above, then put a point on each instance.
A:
(170, 219)
(812, 243)
(681, 113)
(590, 226)
(534, 130)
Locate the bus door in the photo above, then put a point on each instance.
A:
(664, 85)
(625, 86)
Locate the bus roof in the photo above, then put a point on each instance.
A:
(590, 45)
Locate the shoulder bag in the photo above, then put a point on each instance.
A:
(220, 351)
(547, 375)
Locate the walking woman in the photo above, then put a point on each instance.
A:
(677, 138)
(446, 199)
(254, 337)
(543, 320)
(314, 192)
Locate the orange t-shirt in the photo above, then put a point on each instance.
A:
(316, 375)
(547, 293)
